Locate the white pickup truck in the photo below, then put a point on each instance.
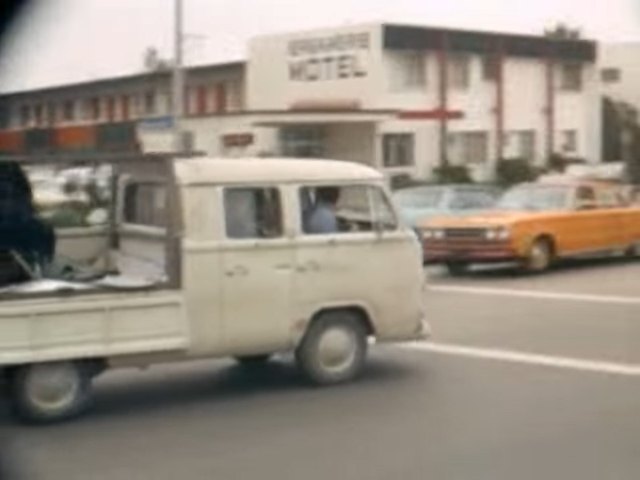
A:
(211, 258)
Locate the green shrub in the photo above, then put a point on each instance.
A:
(557, 163)
(453, 174)
(515, 170)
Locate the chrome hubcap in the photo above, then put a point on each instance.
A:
(53, 387)
(539, 257)
(337, 349)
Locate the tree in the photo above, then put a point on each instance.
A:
(611, 131)
(632, 162)
(562, 31)
(621, 136)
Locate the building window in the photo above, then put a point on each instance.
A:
(302, 142)
(398, 150)
(37, 114)
(5, 116)
(221, 97)
(253, 213)
(25, 115)
(571, 77)
(201, 100)
(490, 66)
(520, 144)
(569, 141)
(527, 144)
(110, 108)
(468, 147)
(68, 111)
(149, 103)
(610, 75)
(407, 71)
(51, 113)
(95, 108)
(459, 71)
(124, 105)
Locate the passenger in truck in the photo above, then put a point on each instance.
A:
(22, 234)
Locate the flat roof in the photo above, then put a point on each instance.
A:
(208, 170)
(122, 78)
(410, 37)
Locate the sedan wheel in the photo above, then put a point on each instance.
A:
(539, 257)
(634, 250)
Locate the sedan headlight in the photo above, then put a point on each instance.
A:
(433, 234)
(499, 233)
(438, 234)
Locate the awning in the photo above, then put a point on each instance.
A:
(289, 117)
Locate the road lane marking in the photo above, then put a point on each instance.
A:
(511, 292)
(512, 356)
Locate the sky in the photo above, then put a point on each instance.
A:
(63, 41)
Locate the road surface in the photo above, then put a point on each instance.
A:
(527, 378)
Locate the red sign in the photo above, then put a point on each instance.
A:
(237, 139)
(434, 114)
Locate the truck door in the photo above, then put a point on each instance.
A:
(349, 246)
(257, 264)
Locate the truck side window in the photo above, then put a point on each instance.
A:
(383, 213)
(253, 212)
(343, 209)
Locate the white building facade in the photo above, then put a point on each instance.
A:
(403, 99)
(407, 99)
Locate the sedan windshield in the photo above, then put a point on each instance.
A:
(535, 198)
(419, 197)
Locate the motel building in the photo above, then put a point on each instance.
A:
(403, 99)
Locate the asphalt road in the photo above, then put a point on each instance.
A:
(528, 378)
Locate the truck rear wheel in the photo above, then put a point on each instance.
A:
(334, 348)
(50, 392)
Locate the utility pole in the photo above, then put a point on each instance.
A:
(178, 78)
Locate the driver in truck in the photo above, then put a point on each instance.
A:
(322, 218)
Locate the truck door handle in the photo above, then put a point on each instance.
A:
(310, 266)
(238, 270)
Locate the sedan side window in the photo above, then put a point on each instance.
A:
(468, 200)
(585, 198)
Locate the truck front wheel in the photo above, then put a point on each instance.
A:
(50, 392)
(334, 348)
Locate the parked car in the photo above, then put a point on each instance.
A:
(420, 204)
(535, 224)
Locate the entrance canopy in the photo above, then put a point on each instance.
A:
(319, 117)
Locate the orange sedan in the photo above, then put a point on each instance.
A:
(535, 224)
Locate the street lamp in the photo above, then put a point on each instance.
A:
(178, 79)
